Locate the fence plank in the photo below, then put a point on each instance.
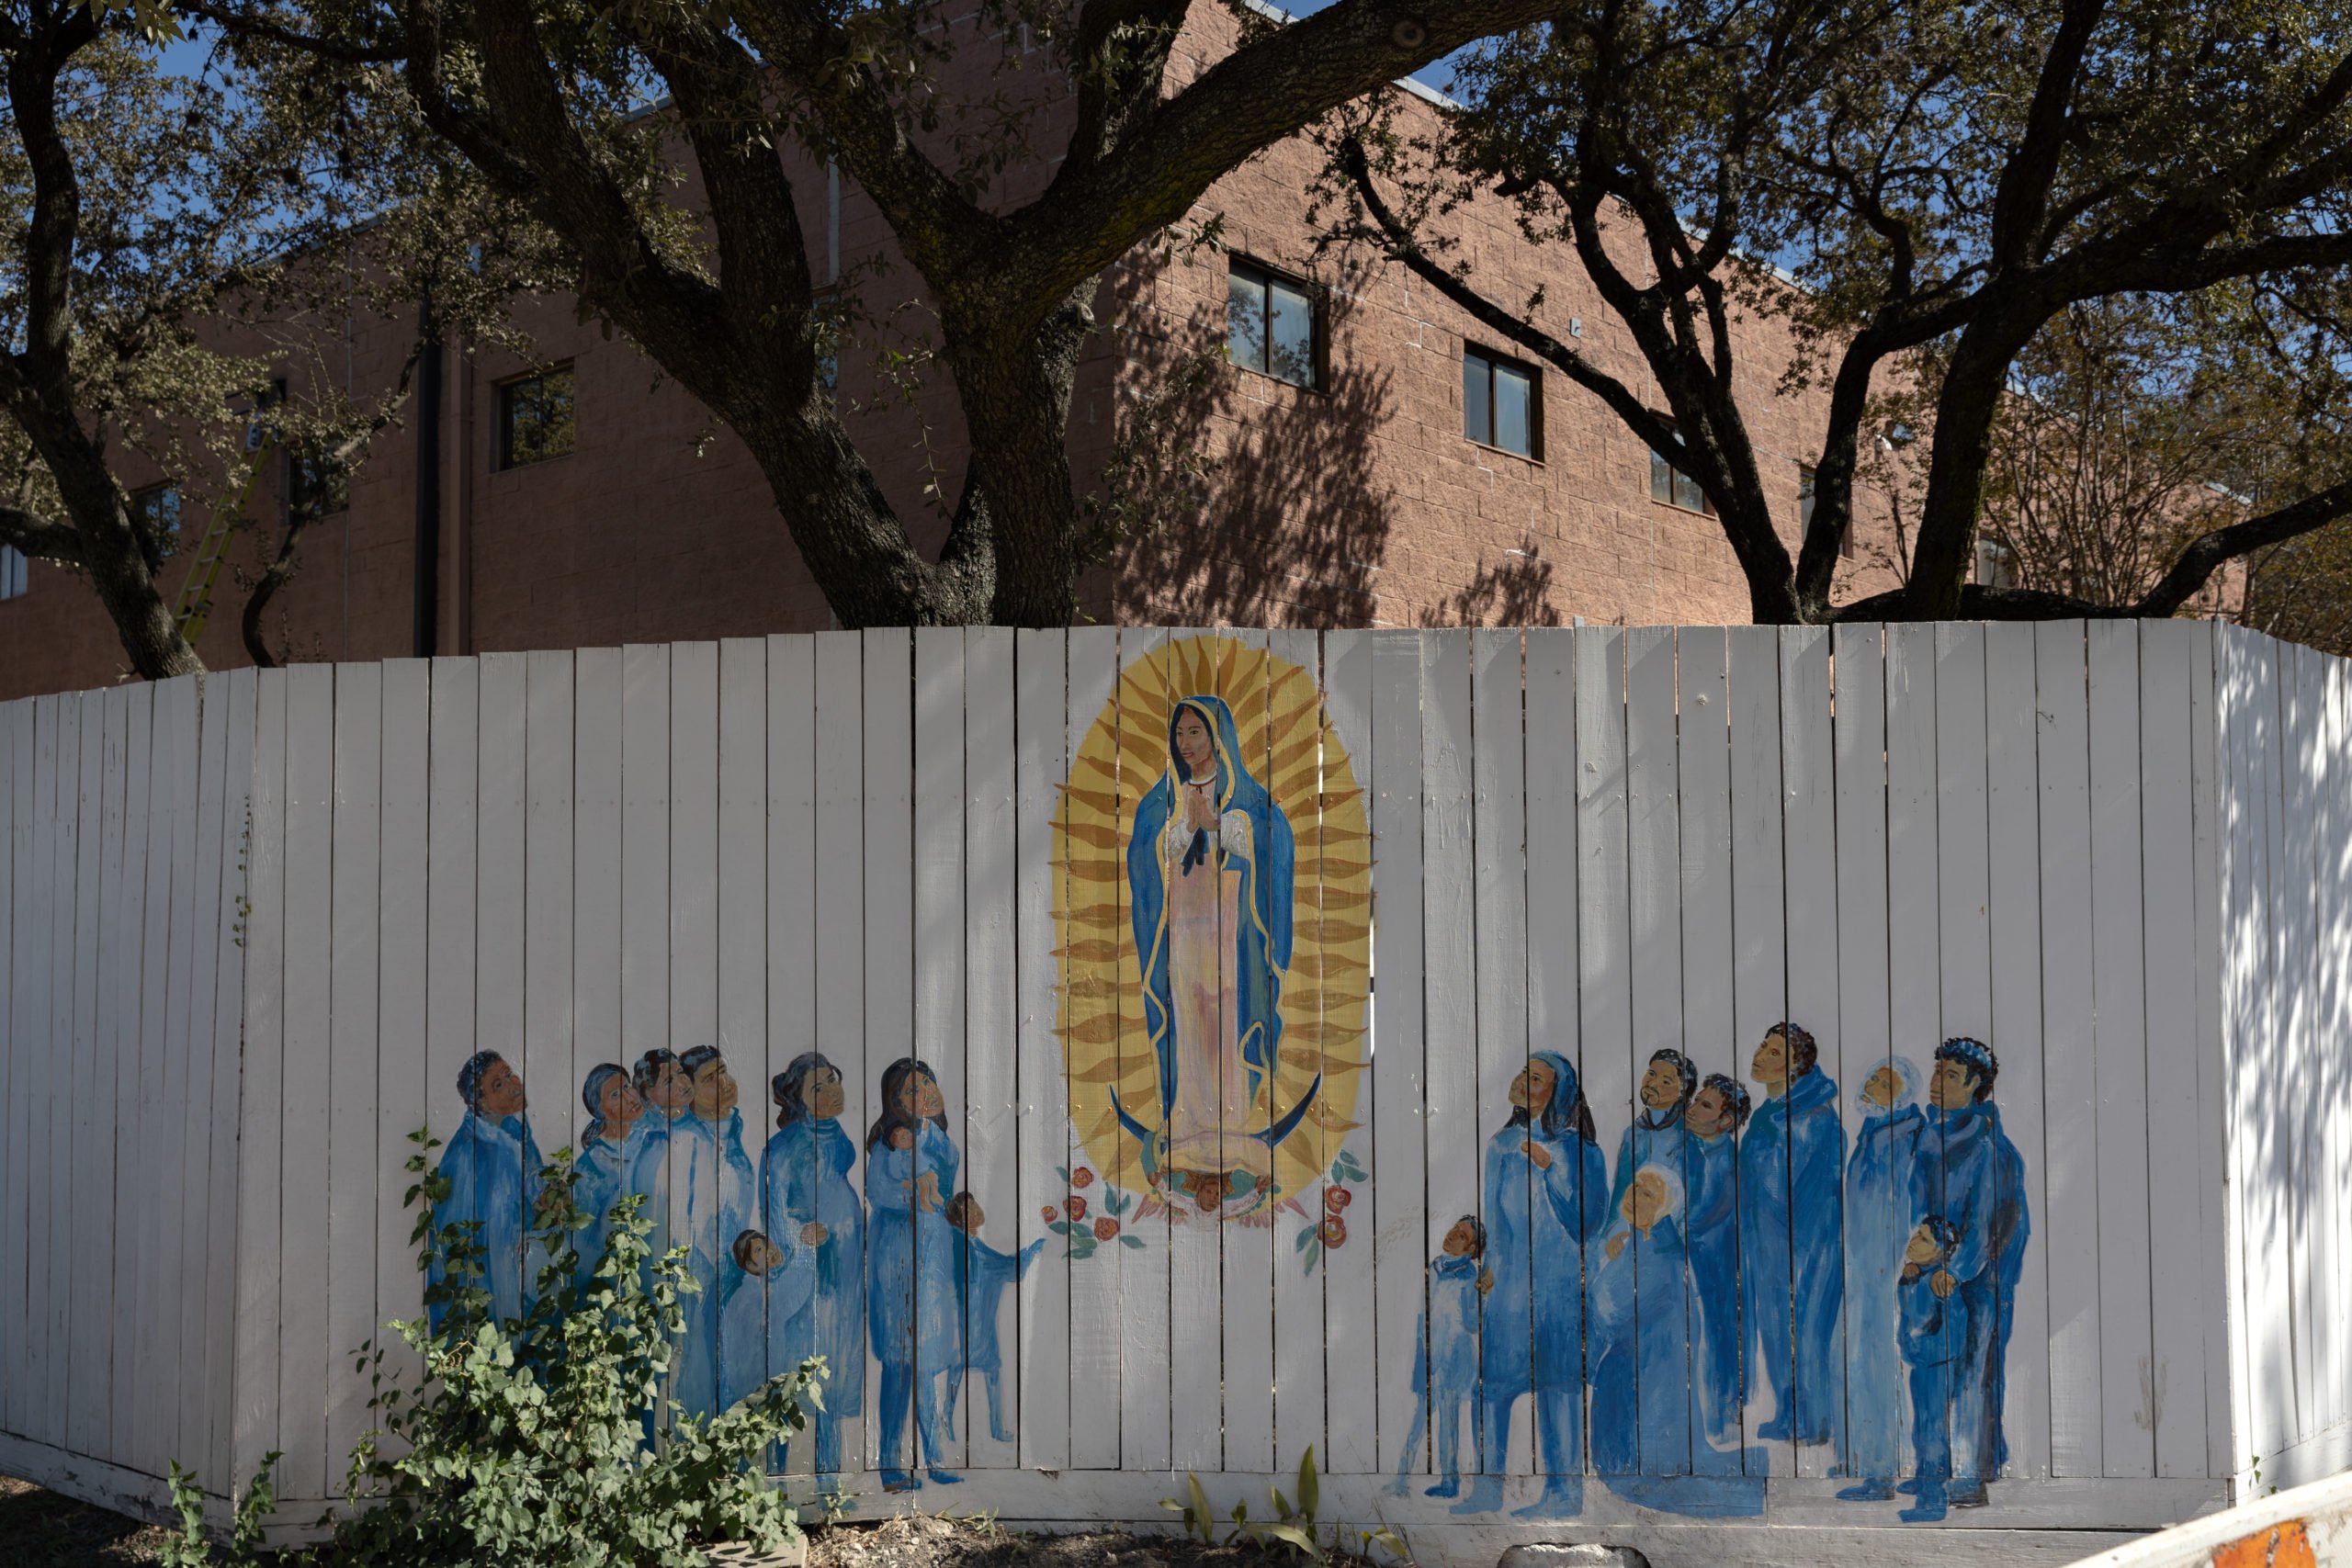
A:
(1914, 1006)
(1759, 958)
(548, 699)
(54, 1181)
(1116, 1418)
(1352, 1354)
(841, 1000)
(742, 1029)
(403, 981)
(1809, 854)
(261, 1158)
(163, 1094)
(1245, 1311)
(1653, 834)
(791, 931)
(303, 1214)
(1876, 1429)
(2014, 883)
(889, 906)
(2291, 878)
(597, 824)
(937, 951)
(96, 1055)
(355, 1118)
(1604, 895)
(693, 1000)
(225, 888)
(173, 1359)
(1702, 769)
(453, 824)
(25, 1041)
(1401, 1220)
(1454, 1139)
(2169, 916)
(2070, 1087)
(2119, 1035)
(1041, 756)
(992, 1002)
(1297, 1332)
(2217, 1274)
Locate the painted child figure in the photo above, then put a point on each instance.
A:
(775, 1284)
(1445, 1357)
(981, 1275)
(1932, 1335)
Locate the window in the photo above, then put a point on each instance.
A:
(318, 486)
(1675, 488)
(1805, 514)
(1996, 564)
(535, 417)
(157, 508)
(11, 573)
(1272, 325)
(1502, 404)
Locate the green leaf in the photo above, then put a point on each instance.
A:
(1133, 1241)
(1310, 1488)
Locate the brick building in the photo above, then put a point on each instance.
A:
(1383, 463)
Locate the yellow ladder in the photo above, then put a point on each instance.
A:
(194, 606)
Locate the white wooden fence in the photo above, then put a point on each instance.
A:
(256, 924)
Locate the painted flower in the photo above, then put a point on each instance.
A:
(1337, 1198)
(1335, 1232)
(1076, 1208)
(1052, 1213)
(1082, 1177)
(1105, 1228)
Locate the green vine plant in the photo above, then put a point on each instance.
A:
(530, 1441)
(1293, 1525)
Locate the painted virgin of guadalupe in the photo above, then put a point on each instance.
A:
(1209, 874)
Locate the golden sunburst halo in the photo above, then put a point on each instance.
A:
(1288, 742)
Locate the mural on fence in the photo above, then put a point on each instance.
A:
(1215, 938)
(1739, 1275)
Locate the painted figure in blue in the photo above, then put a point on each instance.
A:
(1641, 1337)
(666, 1090)
(607, 1144)
(1655, 1137)
(911, 1303)
(983, 1276)
(1969, 1174)
(1710, 1229)
(492, 1166)
(806, 1195)
(1933, 1329)
(1878, 1222)
(701, 1193)
(1209, 879)
(1547, 1194)
(1445, 1359)
(1791, 1168)
(769, 1286)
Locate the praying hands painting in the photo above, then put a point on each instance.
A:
(1216, 935)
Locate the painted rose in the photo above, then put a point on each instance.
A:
(1082, 1177)
(1337, 1198)
(1105, 1228)
(1052, 1213)
(1076, 1208)
(1335, 1232)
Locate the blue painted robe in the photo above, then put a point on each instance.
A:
(1969, 1172)
(755, 1320)
(1445, 1365)
(804, 1180)
(1932, 1335)
(1537, 1223)
(1641, 1349)
(1711, 1233)
(1792, 1277)
(911, 1305)
(492, 1169)
(602, 1174)
(1261, 944)
(701, 1192)
(1642, 1144)
(1878, 1222)
(983, 1276)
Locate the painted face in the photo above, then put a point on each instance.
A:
(1645, 1199)
(1661, 1087)
(1461, 1241)
(1532, 1090)
(713, 1090)
(1709, 1115)
(766, 1256)
(903, 1138)
(820, 1091)
(1953, 1086)
(1922, 1248)
(1883, 1087)
(920, 1096)
(500, 1094)
(1771, 1068)
(619, 1104)
(672, 1091)
(1194, 744)
(970, 1216)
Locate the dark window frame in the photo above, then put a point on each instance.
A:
(503, 449)
(151, 501)
(1674, 478)
(1535, 374)
(15, 578)
(1317, 321)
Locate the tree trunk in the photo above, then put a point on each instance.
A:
(1966, 407)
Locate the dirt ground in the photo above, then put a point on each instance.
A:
(41, 1529)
